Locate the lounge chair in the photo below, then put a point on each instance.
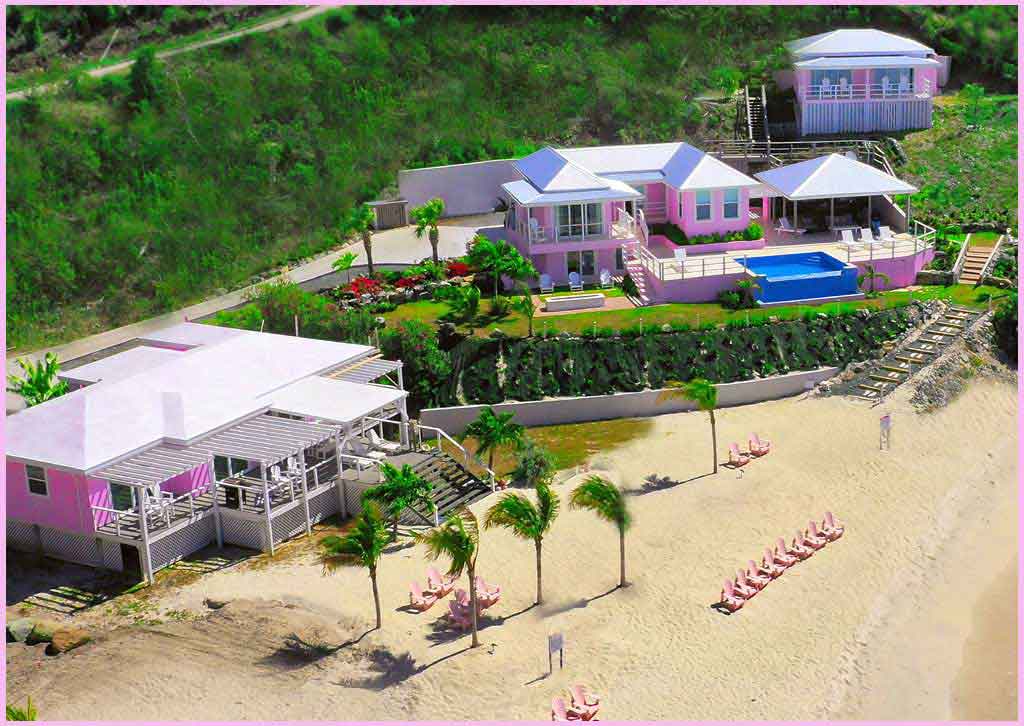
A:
(418, 599)
(769, 566)
(458, 615)
(743, 580)
(885, 234)
(867, 236)
(782, 555)
(831, 528)
(785, 226)
(798, 550)
(758, 447)
(545, 283)
(753, 576)
(575, 282)
(382, 444)
(730, 599)
(606, 278)
(537, 233)
(816, 535)
(846, 238)
(558, 711)
(486, 595)
(741, 587)
(359, 448)
(584, 704)
(804, 540)
(735, 457)
(437, 585)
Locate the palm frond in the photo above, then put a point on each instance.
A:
(362, 545)
(457, 538)
(516, 513)
(602, 498)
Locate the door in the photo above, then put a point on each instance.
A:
(122, 497)
(582, 262)
(130, 560)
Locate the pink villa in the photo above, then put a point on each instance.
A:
(586, 216)
(202, 435)
(862, 80)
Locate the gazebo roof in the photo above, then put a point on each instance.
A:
(832, 176)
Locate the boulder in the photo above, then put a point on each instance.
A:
(19, 630)
(67, 638)
(42, 632)
(214, 604)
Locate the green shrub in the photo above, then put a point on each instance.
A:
(534, 464)
(628, 286)
(1004, 321)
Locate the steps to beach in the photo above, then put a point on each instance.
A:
(454, 486)
(639, 276)
(974, 264)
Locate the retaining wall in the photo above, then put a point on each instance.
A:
(465, 188)
(454, 419)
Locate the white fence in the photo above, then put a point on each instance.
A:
(454, 419)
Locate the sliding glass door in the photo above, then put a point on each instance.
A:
(578, 220)
(581, 262)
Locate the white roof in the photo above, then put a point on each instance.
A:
(830, 176)
(869, 61)
(553, 176)
(120, 365)
(330, 399)
(176, 401)
(190, 335)
(855, 41)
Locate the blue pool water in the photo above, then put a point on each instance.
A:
(801, 276)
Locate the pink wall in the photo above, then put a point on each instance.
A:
(692, 290)
(712, 247)
(66, 505)
(901, 271)
(718, 223)
(197, 478)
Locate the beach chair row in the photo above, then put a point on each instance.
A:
(438, 586)
(756, 449)
(750, 581)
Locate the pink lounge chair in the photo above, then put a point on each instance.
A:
(814, 534)
(487, 595)
(742, 587)
(769, 566)
(437, 585)
(458, 615)
(730, 599)
(583, 704)
(831, 528)
(558, 711)
(753, 576)
(798, 550)
(418, 600)
(735, 457)
(758, 447)
(782, 555)
(802, 539)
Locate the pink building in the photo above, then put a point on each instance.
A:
(863, 80)
(582, 211)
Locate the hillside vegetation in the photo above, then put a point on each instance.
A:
(137, 194)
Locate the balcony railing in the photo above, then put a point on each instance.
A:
(539, 234)
(890, 91)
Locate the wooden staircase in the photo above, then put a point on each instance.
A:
(454, 486)
(757, 117)
(639, 276)
(975, 262)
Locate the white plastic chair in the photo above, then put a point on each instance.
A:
(377, 442)
(545, 283)
(575, 281)
(606, 278)
(537, 233)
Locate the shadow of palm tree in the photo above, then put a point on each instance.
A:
(444, 632)
(655, 483)
(581, 603)
(298, 652)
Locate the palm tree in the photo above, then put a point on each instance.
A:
(401, 488)
(609, 503)
(524, 305)
(499, 258)
(526, 520)
(870, 275)
(361, 546)
(344, 263)
(458, 539)
(705, 395)
(39, 383)
(427, 218)
(491, 430)
(359, 222)
(747, 290)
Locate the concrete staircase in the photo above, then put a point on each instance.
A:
(900, 364)
(974, 264)
(454, 486)
(639, 275)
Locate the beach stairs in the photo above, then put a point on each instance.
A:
(454, 486)
(975, 262)
(896, 368)
(639, 275)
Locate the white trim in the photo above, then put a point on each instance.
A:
(46, 481)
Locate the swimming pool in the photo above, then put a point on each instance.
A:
(801, 276)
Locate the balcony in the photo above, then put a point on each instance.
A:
(622, 228)
(889, 91)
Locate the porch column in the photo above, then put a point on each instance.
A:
(339, 481)
(404, 411)
(832, 212)
(869, 211)
(147, 560)
(305, 492)
(216, 507)
(266, 508)
(796, 215)
(908, 216)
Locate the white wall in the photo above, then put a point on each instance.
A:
(465, 188)
(551, 411)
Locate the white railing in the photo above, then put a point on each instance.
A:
(440, 436)
(890, 91)
(624, 223)
(991, 261)
(117, 515)
(642, 232)
(576, 233)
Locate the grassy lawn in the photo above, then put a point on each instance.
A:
(983, 239)
(694, 314)
(561, 290)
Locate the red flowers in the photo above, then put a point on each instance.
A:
(457, 268)
(410, 281)
(364, 286)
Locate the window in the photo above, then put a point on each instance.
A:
(577, 220)
(703, 206)
(581, 262)
(833, 82)
(594, 218)
(122, 497)
(892, 80)
(36, 476)
(620, 264)
(224, 467)
(731, 204)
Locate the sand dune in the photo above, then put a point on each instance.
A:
(814, 644)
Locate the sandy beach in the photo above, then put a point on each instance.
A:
(911, 615)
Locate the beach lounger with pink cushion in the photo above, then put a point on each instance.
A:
(735, 457)
(743, 588)
(754, 577)
(439, 585)
(459, 615)
(799, 550)
(486, 594)
(813, 533)
(769, 565)
(831, 528)
(730, 599)
(583, 704)
(804, 540)
(758, 447)
(559, 712)
(418, 599)
(783, 556)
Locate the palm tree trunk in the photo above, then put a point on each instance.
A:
(368, 245)
(472, 606)
(714, 441)
(622, 557)
(490, 459)
(497, 277)
(433, 241)
(376, 595)
(394, 529)
(540, 594)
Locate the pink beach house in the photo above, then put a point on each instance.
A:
(585, 210)
(862, 80)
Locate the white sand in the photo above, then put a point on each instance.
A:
(817, 643)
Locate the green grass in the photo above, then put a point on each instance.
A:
(693, 314)
(984, 239)
(561, 290)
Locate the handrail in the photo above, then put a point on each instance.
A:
(991, 261)
(750, 125)
(764, 115)
(894, 91)
(441, 434)
(961, 258)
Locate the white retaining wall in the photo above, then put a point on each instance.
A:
(454, 419)
(465, 188)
